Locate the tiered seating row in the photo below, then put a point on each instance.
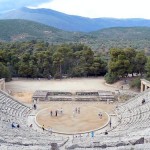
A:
(134, 124)
(13, 111)
(12, 107)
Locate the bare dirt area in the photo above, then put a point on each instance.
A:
(24, 97)
(23, 89)
(70, 122)
(72, 84)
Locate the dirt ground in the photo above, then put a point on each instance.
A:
(24, 97)
(72, 84)
(70, 122)
(23, 89)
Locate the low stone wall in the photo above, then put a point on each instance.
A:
(2, 84)
(145, 84)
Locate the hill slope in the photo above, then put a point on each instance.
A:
(69, 22)
(102, 40)
(136, 37)
(22, 30)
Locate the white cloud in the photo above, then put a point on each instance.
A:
(6, 5)
(102, 8)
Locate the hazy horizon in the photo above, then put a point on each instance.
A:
(121, 9)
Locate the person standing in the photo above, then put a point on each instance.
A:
(51, 112)
(92, 134)
(79, 110)
(56, 113)
(34, 106)
(76, 110)
(43, 127)
(110, 123)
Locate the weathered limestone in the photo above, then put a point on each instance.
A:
(2, 84)
(145, 84)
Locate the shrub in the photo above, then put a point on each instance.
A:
(111, 78)
(135, 83)
(5, 72)
(57, 76)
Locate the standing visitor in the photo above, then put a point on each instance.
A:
(79, 110)
(56, 113)
(43, 127)
(34, 106)
(51, 112)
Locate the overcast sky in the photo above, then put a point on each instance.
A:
(87, 8)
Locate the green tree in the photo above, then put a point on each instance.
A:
(130, 56)
(4, 72)
(119, 64)
(140, 60)
(147, 68)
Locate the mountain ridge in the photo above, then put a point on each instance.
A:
(71, 22)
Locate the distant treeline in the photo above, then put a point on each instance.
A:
(37, 59)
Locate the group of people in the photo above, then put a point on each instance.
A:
(56, 112)
(76, 111)
(15, 125)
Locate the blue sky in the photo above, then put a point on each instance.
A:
(87, 8)
(6, 5)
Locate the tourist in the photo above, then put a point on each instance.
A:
(143, 101)
(106, 132)
(110, 123)
(15, 125)
(56, 113)
(34, 106)
(51, 130)
(100, 115)
(43, 128)
(31, 125)
(12, 125)
(76, 110)
(92, 133)
(79, 110)
(18, 126)
(51, 112)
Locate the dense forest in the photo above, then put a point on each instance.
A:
(41, 60)
(38, 59)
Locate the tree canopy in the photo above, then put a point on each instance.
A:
(123, 62)
(40, 60)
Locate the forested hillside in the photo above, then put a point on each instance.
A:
(101, 41)
(23, 30)
(135, 37)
